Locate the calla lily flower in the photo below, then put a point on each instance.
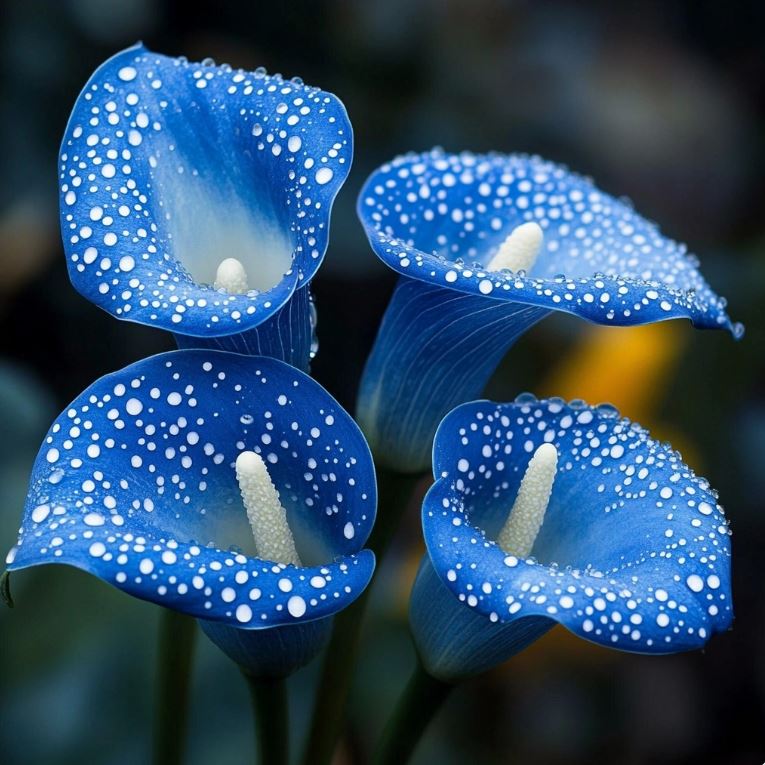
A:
(548, 513)
(486, 246)
(196, 198)
(183, 479)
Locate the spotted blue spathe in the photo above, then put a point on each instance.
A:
(168, 167)
(440, 217)
(135, 483)
(634, 551)
(439, 220)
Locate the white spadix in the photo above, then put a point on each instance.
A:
(520, 249)
(522, 525)
(231, 277)
(267, 517)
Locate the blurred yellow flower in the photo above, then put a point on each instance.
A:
(628, 367)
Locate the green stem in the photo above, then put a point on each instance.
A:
(176, 647)
(394, 491)
(5, 588)
(269, 707)
(419, 703)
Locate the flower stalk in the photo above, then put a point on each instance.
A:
(339, 663)
(423, 697)
(177, 635)
(270, 711)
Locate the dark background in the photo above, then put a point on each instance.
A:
(662, 102)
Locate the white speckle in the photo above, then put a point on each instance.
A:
(133, 406)
(323, 175)
(228, 594)
(127, 73)
(127, 263)
(97, 549)
(296, 606)
(695, 583)
(40, 513)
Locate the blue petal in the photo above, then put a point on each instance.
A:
(273, 653)
(633, 553)
(135, 484)
(454, 641)
(168, 167)
(439, 218)
(288, 335)
(435, 349)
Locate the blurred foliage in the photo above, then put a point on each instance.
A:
(660, 101)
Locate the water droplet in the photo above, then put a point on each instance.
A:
(609, 411)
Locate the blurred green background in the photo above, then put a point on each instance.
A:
(662, 102)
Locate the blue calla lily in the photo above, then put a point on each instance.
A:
(633, 553)
(168, 168)
(135, 484)
(439, 220)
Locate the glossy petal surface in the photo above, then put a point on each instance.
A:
(435, 349)
(289, 334)
(440, 218)
(168, 167)
(634, 552)
(135, 483)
